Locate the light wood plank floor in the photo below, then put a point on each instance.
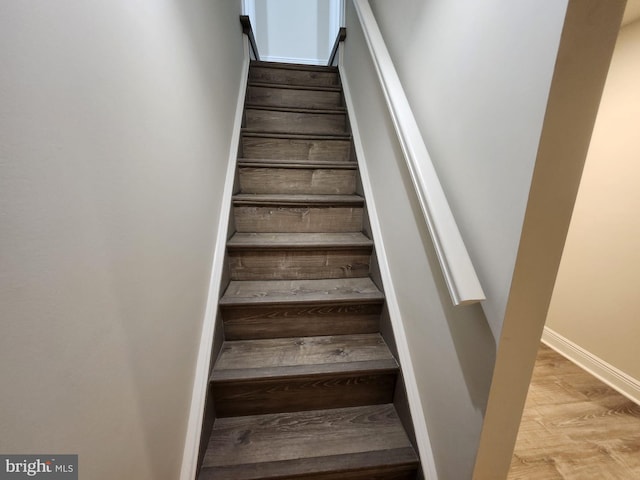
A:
(574, 427)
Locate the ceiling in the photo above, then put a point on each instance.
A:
(632, 12)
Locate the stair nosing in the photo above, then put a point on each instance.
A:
(300, 136)
(286, 86)
(296, 164)
(311, 111)
(297, 200)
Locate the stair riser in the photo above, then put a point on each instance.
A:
(295, 122)
(298, 219)
(268, 264)
(279, 321)
(293, 77)
(302, 393)
(296, 149)
(297, 180)
(288, 97)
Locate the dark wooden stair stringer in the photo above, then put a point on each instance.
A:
(304, 385)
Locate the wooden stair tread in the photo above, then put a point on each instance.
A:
(321, 88)
(287, 445)
(296, 199)
(299, 240)
(316, 110)
(296, 356)
(292, 74)
(293, 163)
(269, 292)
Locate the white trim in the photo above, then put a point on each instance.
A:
(335, 19)
(408, 372)
(459, 274)
(607, 373)
(303, 61)
(201, 380)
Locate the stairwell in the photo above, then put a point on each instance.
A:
(304, 383)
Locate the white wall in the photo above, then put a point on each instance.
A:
(595, 300)
(294, 31)
(115, 123)
(505, 95)
(452, 349)
(477, 75)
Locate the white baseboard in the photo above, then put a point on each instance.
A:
(607, 373)
(413, 396)
(201, 380)
(302, 61)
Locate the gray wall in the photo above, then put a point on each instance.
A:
(477, 75)
(115, 122)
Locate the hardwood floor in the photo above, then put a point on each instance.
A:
(575, 427)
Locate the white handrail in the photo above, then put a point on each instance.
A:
(459, 274)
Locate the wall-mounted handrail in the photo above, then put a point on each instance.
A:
(459, 273)
(342, 35)
(248, 31)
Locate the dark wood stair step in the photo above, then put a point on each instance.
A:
(296, 179)
(292, 74)
(283, 146)
(302, 373)
(357, 443)
(295, 120)
(296, 356)
(263, 213)
(278, 256)
(293, 96)
(290, 308)
(291, 292)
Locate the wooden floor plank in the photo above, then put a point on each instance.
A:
(574, 427)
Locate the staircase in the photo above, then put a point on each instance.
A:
(304, 383)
